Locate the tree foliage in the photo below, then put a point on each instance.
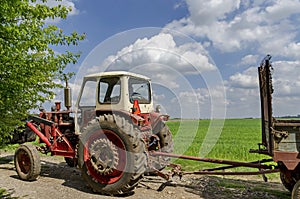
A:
(28, 63)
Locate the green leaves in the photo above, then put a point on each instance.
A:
(28, 64)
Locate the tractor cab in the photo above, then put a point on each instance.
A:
(111, 92)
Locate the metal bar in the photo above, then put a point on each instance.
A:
(259, 151)
(231, 167)
(287, 124)
(41, 120)
(233, 163)
(233, 173)
(40, 134)
(68, 154)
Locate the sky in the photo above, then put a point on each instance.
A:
(202, 55)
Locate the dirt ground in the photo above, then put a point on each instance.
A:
(58, 180)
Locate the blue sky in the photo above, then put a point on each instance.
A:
(201, 55)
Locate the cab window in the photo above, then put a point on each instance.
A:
(109, 90)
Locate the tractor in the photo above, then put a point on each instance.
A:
(108, 135)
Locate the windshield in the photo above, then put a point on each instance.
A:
(139, 89)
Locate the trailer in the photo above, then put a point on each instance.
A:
(280, 137)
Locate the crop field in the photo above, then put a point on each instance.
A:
(233, 142)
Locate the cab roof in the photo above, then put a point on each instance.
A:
(116, 73)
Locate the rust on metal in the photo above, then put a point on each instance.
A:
(266, 90)
(287, 123)
(290, 159)
(204, 172)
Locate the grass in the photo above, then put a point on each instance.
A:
(236, 138)
(5, 194)
(13, 147)
(9, 147)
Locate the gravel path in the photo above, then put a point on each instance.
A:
(58, 180)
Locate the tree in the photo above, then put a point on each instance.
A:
(28, 63)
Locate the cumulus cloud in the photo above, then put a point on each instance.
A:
(237, 25)
(246, 79)
(249, 60)
(69, 4)
(282, 9)
(242, 90)
(286, 78)
(159, 51)
(207, 12)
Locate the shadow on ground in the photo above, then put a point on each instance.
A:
(212, 187)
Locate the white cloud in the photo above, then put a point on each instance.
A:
(282, 9)
(249, 59)
(267, 26)
(246, 79)
(292, 50)
(161, 50)
(69, 4)
(207, 12)
(286, 78)
(243, 91)
(286, 84)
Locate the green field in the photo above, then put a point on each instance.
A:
(236, 138)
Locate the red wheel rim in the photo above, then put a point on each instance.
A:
(117, 141)
(23, 160)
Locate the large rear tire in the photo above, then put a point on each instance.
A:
(112, 155)
(27, 162)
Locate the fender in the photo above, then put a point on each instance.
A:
(140, 120)
(156, 120)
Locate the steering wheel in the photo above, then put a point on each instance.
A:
(136, 96)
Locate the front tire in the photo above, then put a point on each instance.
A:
(112, 155)
(27, 162)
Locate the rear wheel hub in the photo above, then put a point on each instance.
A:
(104, 156)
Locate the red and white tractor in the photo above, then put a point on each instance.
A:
(108, 137)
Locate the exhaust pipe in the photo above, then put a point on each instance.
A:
(67, 96)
